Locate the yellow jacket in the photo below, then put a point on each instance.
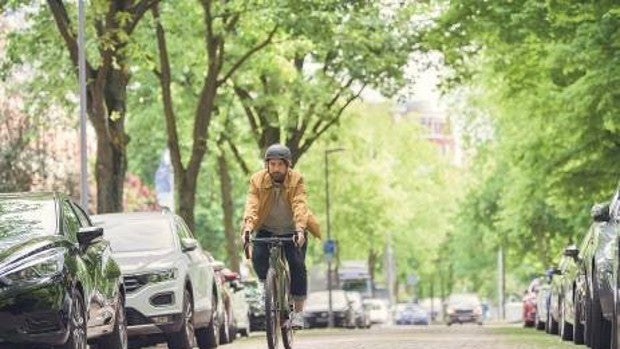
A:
(258, 203)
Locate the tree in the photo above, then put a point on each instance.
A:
(333, 52)
(547, 75)
(221, 21)
(107, 68)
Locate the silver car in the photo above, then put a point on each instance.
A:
(169, 282)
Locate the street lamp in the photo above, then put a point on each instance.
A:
(82, 84)
(329, 258)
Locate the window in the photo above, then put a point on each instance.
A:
(70, 221)
(82, 216)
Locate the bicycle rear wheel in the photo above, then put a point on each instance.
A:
(272, 310)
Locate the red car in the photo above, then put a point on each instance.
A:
(529, 303)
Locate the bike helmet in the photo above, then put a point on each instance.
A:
(279, 151)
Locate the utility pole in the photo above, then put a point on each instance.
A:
(502, 283)
(83, 106)
(330, 322)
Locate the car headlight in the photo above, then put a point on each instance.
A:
(161, 276)
(450, 310)
(35, 268)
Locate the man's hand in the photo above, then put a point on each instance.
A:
(245, 240)
(299, 238)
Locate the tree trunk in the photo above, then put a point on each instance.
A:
(372, 263)
(107, 91)
(109, 121)
(187, 199)
(110, 171)
(228, 209)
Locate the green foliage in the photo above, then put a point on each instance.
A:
(546, 75)
(389, 184)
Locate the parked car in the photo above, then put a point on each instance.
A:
(169, 282)
(463, 307)
(256, 303)
(378, 311)
(240, 307)
(316, 312)
(556, 295)
(226, 315)
(601, 322)
(58, 284)
(410, 314)
(529, 303)
(362, 319)
(542, 306)
(581, 289)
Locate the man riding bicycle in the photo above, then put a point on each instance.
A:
(276, 205)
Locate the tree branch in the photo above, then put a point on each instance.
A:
(165, 81)
(138, 10)
(238, 157)
(310, 140)
(64, 27)
(339, 93)
(247, 55)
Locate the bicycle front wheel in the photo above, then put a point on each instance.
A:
(272, 310)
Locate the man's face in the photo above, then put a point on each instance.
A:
(277, 169)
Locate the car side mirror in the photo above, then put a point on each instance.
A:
(572, 251)
(86, 235)
(600, 212)
(217, 265)
(237, 286)
(188, 244)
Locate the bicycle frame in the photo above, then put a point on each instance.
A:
(276, 261)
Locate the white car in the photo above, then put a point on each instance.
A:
(169, 282)
(378, 310)
(240, 305)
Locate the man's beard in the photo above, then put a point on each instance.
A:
(277, 177)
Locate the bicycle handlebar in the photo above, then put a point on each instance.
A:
(269, 240)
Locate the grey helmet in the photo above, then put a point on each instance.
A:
(279, 151)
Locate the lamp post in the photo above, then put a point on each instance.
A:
(329, 259)
(82, 84)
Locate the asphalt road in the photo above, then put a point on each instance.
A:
(415, 337)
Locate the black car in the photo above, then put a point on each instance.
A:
(584, 293)
(59, 285)
(256, 302)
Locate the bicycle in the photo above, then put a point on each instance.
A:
(278, 303)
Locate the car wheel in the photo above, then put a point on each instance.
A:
(77, 323)
(184, 338)
(578, 326)
(587, 329)
(208, 337)
(118, 338)
(566, 330)
(600, 336)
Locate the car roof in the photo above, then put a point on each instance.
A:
(131, 216)
(37, 195)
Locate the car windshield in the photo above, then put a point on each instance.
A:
(138, 235)
(21, 218)
(464, 300)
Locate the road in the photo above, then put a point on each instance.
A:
(415, 337)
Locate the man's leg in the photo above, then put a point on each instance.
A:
(296, 258)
